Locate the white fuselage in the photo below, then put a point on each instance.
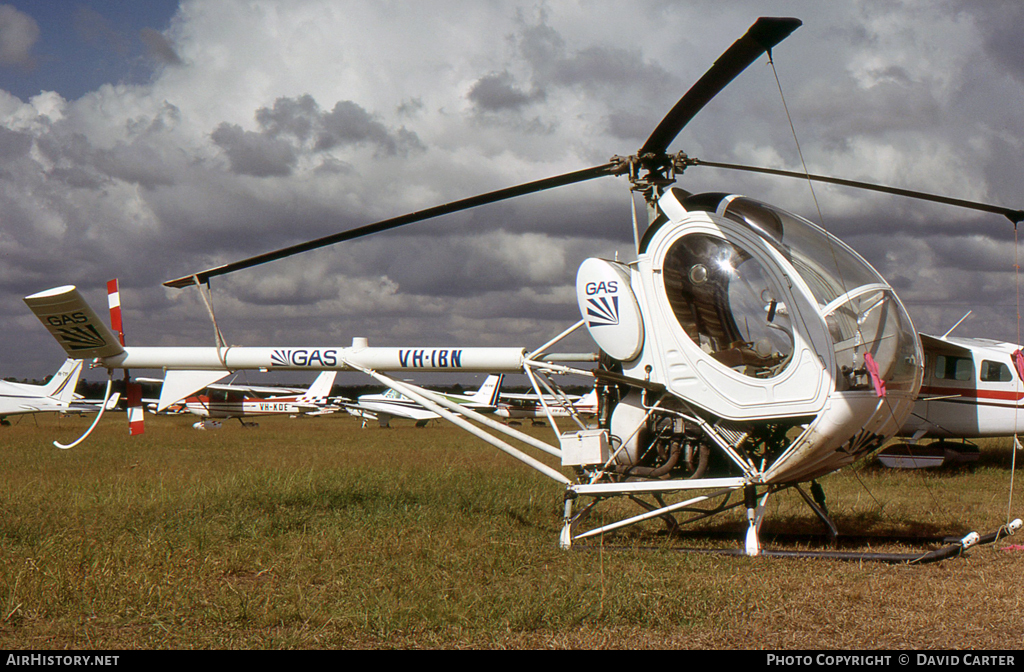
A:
(393, 404)
(18, 398)
(523, 407)
(971, 389)
(236, 406)
(55, 396)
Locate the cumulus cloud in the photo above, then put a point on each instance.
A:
(254, 153)
(159, 47)
(18, 34)
(498, 91)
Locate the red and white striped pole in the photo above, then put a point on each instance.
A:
(133, 391)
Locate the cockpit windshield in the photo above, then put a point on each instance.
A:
(728, 304)
(867, 323)
(827, 265)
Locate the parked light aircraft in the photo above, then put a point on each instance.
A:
(242, 401)
(744, 350)
(972, 388)
(513, 406)
(393, 404)
(57, 395)
(80, 404)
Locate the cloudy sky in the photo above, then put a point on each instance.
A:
(147, 140)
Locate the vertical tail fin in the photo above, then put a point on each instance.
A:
(62, 386)
(588, 402)
(488, 393)
(321, 387)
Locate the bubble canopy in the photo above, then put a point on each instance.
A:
(732, 307)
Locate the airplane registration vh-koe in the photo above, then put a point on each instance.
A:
(246, 401)
(744, 350)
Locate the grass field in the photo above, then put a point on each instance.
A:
(315, 533)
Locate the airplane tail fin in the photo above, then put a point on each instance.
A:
(321, 387)
(62, 386)
(488, 393)
(588, 402)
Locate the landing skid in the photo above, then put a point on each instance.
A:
(946, 552)
(713, 494)
(755, 504)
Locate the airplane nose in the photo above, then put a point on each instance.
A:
(502, 413)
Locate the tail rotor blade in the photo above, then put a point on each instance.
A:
(132, 391)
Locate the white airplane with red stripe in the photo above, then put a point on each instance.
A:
(393, 404)
(234, 401)
(513, 406)
(972, 388)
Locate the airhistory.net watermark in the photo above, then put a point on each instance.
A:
(60, 660)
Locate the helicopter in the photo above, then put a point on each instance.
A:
(744, 351)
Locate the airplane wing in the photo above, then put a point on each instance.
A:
(940, 346)
(408, 412)
(256, 389)
(93, 405)
(358, 411)
(326, 410)
(511, 396)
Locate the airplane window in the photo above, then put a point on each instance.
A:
(995, 372)
(728, 305)
(954, 368)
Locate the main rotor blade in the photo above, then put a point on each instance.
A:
(760, 38)
(402, 220)
(1014, 216)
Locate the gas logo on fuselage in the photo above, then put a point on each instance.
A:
(603, 287)
(602, 312)
(304, 357)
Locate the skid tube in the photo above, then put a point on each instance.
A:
(953, 546)
(951, 550)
